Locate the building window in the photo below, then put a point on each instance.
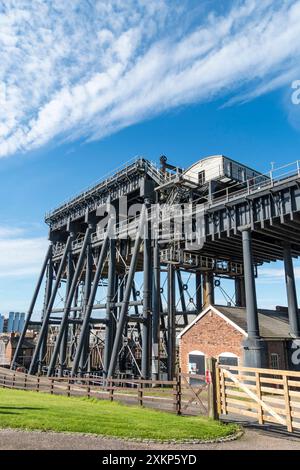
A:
(241, 174)
(196, 367)
(228, 359)
(229, 169)
(274, 360)
(201, 177)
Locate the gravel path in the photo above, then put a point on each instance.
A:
(11, 439)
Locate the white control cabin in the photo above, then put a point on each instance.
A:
(220, 168)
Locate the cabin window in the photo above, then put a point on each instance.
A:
(201, 177)
(241, 174)
(274, 360)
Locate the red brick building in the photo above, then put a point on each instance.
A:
(219, 331)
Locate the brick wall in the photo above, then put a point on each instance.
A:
(211, 335)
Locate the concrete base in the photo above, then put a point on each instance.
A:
(255, 353)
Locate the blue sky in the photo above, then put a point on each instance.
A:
(86, 86)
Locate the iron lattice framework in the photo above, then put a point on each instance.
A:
(115, 297)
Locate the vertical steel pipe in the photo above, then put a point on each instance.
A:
(109, 309)
(182, 298)
(171, 322)
(156, 312)
(147, 291)
(198, 285)
(251, 302)
(291, 291)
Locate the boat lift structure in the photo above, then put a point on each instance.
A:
(156, 269)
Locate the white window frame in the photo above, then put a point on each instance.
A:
(272, 355)
(194, 353)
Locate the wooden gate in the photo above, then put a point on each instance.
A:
(265, 395)
(194, 394)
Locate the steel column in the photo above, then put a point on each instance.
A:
(70, 296)
(240, 299)
(109, 308)
(156, 312)
(146, 327)
(291, 291)
(89, 308)
(198, 285)
(251, 302)
(124, 310)
(136, 311)
(44, 328)
(87, 291)
(48, 290)
(171, 322)
(63, 347)
(208, 289)
(254, 347)
(182, 298)
(31, 307)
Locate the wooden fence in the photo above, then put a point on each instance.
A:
(178, 395)
(265, 395)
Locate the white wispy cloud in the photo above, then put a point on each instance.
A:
(20, 255)
(275, 274)
(85, 69)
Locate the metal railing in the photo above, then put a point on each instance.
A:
(107, 178)
(264, 181)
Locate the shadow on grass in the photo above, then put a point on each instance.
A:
(19, 408)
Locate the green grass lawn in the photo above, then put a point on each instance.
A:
(31, 410)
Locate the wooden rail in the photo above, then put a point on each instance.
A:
(265, 395)
(176, 395)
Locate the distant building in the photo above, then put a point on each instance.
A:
(13, 324)
(8, 344)
(219, 331)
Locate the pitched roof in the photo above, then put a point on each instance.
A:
(272, 323)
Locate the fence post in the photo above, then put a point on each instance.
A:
(223, 392)
(68, 387)
(88, 390)
(13, 380)
(140, 393)
(218, 389)
(178, 392)
(258, 392)
(111, 390)
(52, 386)
(38, 383)
(287, 404)
(211, 392)
(25, 381)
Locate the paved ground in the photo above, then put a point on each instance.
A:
(252, 439)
